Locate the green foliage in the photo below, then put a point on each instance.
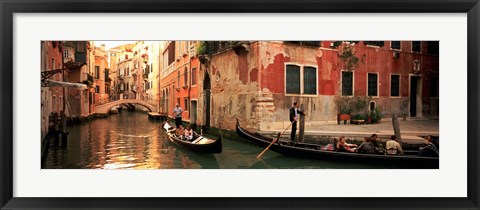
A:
(201, 48)
(348, 56)
(376, 115)
(344, 105)
(357, 105)
(360, 104)
(359, 117)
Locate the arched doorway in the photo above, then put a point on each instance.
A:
(206, 96)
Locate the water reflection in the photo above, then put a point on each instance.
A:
(130, 141)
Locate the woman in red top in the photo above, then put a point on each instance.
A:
(343, 146)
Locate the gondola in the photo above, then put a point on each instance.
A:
(198, 144)
(315, 151)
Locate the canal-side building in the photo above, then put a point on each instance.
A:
(175, 77)
(258, 81)
(151, 71)
(193, 83)
(114, 54)
(52, 98)
(77, 62)
(101, 78)
(123, 72)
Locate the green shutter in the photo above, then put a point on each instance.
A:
(309, 80)
(395, 85)
(347, 83)
(372, 84)
(293, 79)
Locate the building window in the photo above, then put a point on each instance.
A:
(52, 67)
(97, 89)
(80, 46)
(60, 103)
(151, 67)
(185, 77)
(375, 43)
(178, 78)
(433, 47)
(65, 53)
(306, 43)
(395, 85)
(301, 80)
(293, 79)
(194, 76)
(54, 104)
(434, 86)
(171, 52)
(347, 83)
(416, 46)
(372, 84)
(396, 45)
(185, 100)
(97, 72)
(309, 80)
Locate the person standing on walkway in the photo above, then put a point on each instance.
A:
(177, 113)
(294, 116)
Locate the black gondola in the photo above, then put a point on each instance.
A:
(198, 144)
(306, 150)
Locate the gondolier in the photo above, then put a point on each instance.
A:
(177, 113)
(294, 115)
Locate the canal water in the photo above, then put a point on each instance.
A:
(130, 140)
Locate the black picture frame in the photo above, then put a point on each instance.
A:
(10, 7)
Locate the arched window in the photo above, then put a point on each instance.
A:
(178, 78)
(185, 77)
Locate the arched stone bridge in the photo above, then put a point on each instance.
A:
(105, 108)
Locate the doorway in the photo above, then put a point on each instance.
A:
(206, 95)
(193, 112)
(415, 96)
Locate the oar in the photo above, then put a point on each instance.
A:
(274, 140)
(152, 130)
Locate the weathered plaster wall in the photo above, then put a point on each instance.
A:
(232, 96)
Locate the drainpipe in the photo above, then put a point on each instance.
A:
(189, 88)
(63, 76)
(259, 65)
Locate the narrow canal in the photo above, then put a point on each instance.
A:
(130, 140)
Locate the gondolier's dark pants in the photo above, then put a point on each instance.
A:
(294, 131)
(178, 121)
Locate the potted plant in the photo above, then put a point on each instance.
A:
(345, 110)
(358, 119)
(376, 116)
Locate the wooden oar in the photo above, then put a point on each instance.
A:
(153, 130)
(274, 140)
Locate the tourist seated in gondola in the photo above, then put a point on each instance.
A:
(366, 147)
(377, 145)
(430, 150)
(343, 146)
(188, 133)
(180, 132)
(393, 147)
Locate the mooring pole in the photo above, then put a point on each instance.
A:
(302, 125)
(396, 128)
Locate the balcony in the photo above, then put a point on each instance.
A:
(89, 81)
(191, 51)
